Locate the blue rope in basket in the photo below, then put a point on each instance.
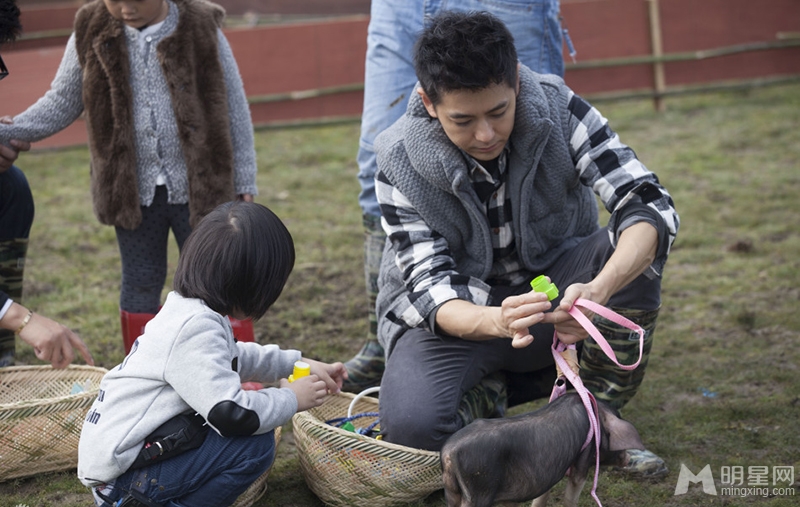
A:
(368, 431)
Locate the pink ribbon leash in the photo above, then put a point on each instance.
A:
(567, 373)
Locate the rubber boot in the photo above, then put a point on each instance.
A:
(243, 332)
(12, 267)
(616, 386)
(487, 400)
(366, 368)
(132, 327)
(242, 329)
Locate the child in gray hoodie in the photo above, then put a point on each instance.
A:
(187, 367)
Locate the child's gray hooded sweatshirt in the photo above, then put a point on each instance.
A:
(186, 361)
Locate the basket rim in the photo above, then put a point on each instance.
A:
(80, 367)
(419, 470)
(30, 403)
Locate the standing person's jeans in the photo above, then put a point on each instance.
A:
(16, 217)
(16, 205)
(389, 70)
(214, 474)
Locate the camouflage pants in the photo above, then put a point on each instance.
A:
(12, 265)
(602, 377)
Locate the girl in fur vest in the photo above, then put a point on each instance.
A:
(169, 129)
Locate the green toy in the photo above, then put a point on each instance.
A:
(540, 284)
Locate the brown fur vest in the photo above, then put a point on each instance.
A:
(190, 62)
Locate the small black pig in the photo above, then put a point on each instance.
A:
(520, 458)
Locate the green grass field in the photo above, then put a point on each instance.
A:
(723, 386)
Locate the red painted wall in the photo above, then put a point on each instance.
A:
(299, 56)
(602, 29)
(275, 59)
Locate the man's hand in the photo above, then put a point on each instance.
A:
(569, 330)
(9, 154)
(519, 313)
(510, 320)
(636, 250)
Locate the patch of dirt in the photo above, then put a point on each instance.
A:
(741, 246)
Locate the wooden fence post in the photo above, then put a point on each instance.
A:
(657, 51)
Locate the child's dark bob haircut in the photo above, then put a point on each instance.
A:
(464, 51)
(237, 260)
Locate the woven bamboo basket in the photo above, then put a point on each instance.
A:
(40, 421)
(345, 469)
(258, 488)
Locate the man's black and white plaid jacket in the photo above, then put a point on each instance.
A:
(440, 246)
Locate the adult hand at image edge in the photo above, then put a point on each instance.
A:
(50, 340)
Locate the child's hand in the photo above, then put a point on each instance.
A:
(310, 391)
(332, 374)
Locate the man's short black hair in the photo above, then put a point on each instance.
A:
(237, 259)
(10, 26)
(464, 51)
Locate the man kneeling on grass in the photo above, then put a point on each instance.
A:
(487, 181)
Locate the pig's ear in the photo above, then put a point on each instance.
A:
(621, 434)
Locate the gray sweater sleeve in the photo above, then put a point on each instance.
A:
(244, 154)
(57, 109)
(201, 374)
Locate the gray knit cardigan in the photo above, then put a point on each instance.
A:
(552, 209)
(157, 143)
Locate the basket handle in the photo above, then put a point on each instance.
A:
(360, 395)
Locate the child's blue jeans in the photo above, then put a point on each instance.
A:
(213, 475)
